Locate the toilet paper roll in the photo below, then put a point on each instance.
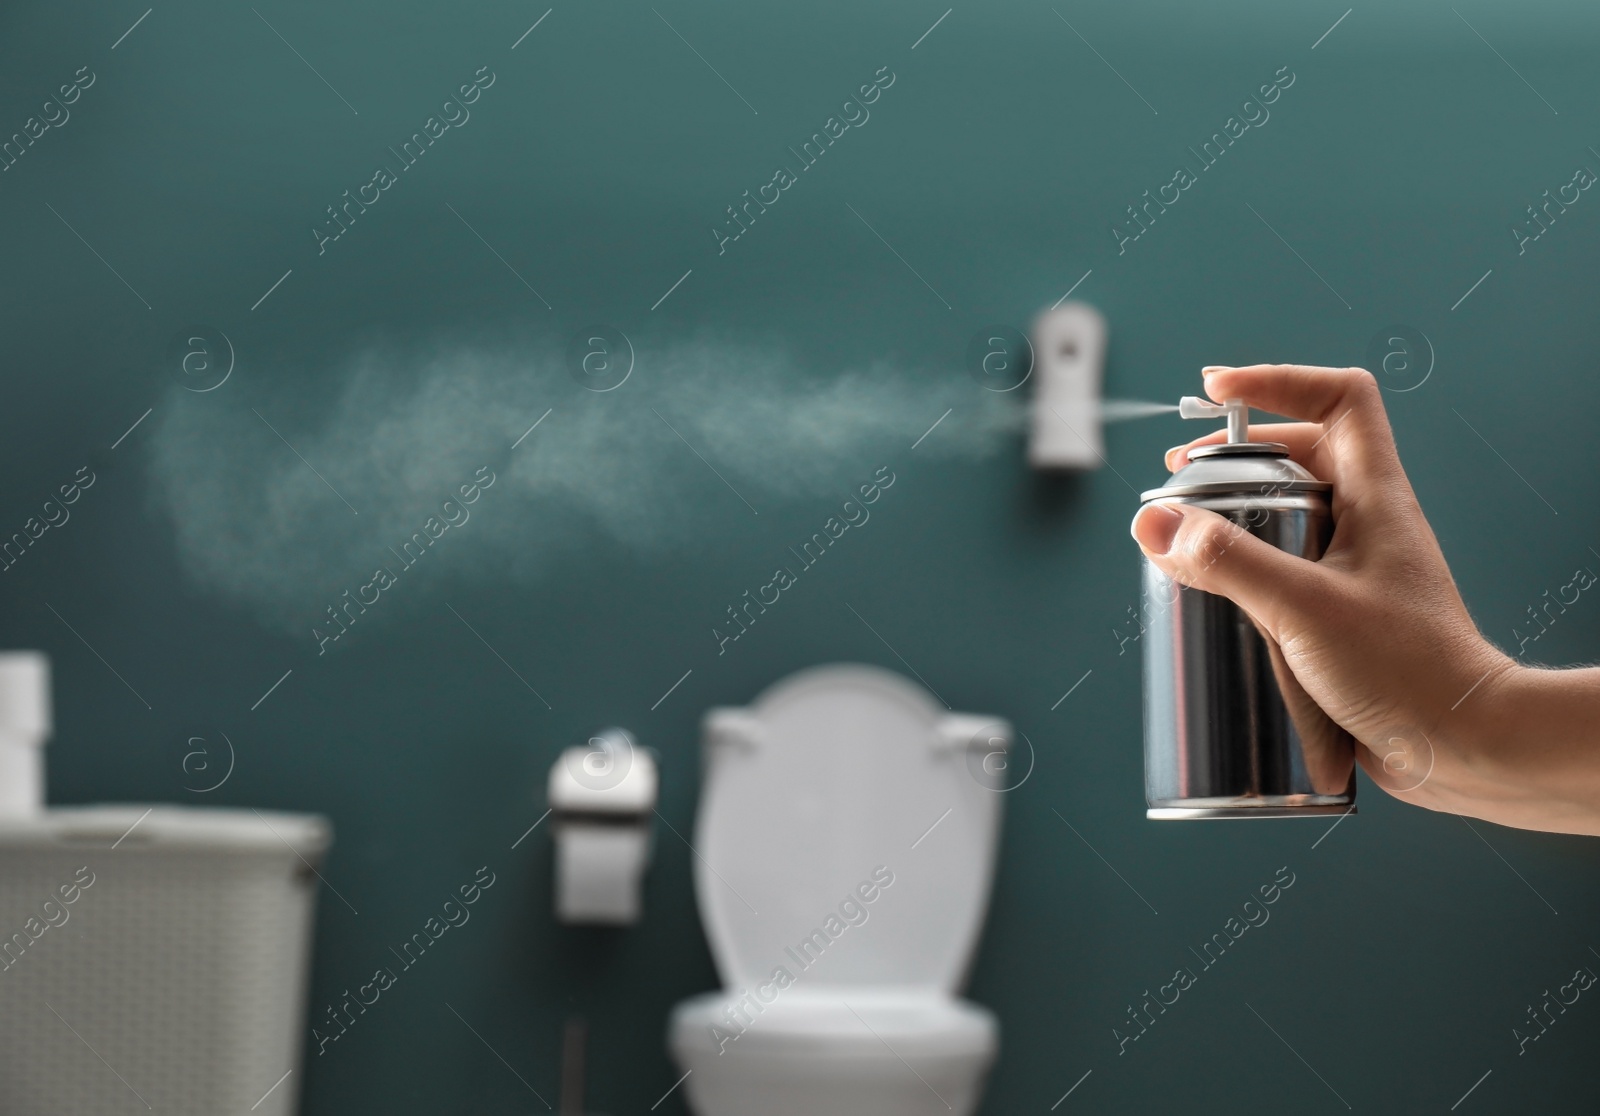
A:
(599, 871)
(25, 724)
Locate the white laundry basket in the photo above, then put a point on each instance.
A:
(160, 954)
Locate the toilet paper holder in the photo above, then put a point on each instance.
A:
(602, 796)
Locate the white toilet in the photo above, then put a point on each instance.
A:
(845, 845)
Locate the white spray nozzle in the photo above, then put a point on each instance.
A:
(1193, 407)
(1234, 410)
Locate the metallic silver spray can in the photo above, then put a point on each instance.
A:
(1228, 730)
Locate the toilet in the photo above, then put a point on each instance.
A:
(844, 851)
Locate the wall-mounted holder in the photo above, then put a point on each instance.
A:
(1069, 346)
(602, 796)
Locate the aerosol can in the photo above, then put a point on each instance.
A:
(1228, 730)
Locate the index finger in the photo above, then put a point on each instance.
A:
(1346, 401)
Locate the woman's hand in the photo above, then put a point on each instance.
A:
(1375, 631)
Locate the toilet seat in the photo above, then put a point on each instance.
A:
(884, 1052)
(836, 1023)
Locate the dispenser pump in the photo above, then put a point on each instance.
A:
(1234, 410)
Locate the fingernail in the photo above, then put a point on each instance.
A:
(1210, 368)
(1155, 527)
(1168, 456)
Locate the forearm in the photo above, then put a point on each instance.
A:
(1539, 750)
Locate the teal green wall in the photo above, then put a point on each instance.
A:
(1408, 947)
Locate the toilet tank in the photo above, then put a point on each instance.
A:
(155, 958)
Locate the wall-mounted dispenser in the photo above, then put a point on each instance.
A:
(602, 796)
(1069, 347)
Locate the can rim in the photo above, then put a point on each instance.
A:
(1239, 449)
(1208, 813)
(1232, 488)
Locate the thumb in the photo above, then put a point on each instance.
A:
(1202, 550)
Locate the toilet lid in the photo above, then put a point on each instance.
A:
(842, 834)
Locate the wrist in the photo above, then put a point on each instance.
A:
(1480, 730)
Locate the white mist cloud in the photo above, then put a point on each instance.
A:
(396, 435)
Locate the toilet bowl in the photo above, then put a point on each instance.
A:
(846, 840)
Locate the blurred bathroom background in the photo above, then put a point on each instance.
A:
(363, 363)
